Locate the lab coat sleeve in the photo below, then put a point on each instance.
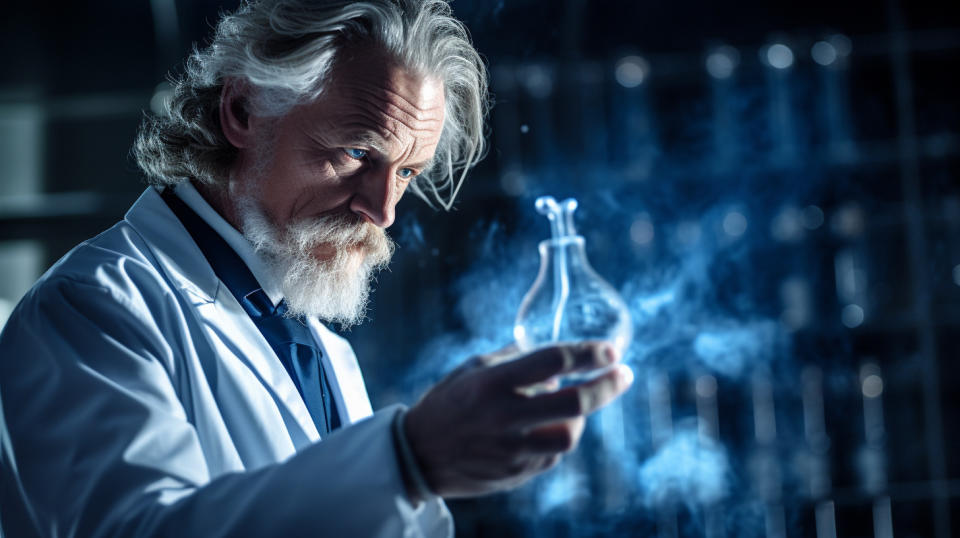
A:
(99, 444)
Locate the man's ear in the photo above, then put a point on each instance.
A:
(235, 113)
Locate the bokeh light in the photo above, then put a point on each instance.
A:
(631, 71)
(734, 224)
(722, 62)
(824, 53)
(852, 315)
(778, 56)
(872, 386)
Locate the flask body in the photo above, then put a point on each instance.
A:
(570, 302)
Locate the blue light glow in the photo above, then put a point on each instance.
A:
(687, 469)
(678, 326)
(729, 351)
(559, 488)
(651, 305)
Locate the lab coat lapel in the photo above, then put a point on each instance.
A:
(348, 387)
(185, 266)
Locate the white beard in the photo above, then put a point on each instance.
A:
(336, 289)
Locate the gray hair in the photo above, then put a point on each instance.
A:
(285, 50)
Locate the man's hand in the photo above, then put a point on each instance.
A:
(478, 431)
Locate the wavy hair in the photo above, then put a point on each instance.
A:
(285, 50)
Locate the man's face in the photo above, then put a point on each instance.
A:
(355, 149)
(344, 161)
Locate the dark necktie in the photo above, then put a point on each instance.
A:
(289, 337)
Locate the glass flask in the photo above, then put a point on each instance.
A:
(569, 301)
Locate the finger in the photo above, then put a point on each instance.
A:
(547, 362)
(549, 385)
(503, 354)
(572, 402)
(486, 360)
(554, 438)
(537, 388)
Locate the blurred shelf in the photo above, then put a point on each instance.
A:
(39, 216)
(81, 106)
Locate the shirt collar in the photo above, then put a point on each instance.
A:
(243, 247)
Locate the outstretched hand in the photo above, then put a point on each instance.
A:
(478, 431)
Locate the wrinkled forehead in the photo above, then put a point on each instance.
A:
(369, 77)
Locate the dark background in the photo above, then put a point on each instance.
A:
(783, 236)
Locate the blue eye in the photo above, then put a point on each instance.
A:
(356, 153)
(405, 173)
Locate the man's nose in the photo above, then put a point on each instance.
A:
(376, 196)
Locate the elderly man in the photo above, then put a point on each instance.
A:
(172, 375)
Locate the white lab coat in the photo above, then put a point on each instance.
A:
(138, 399)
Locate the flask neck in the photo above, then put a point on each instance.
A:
(564, 253)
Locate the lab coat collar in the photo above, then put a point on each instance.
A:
(240, 244)
(187, 268)
(180, 257)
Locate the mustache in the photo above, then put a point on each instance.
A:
(341, 230)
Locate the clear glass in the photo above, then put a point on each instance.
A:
(569, 301)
